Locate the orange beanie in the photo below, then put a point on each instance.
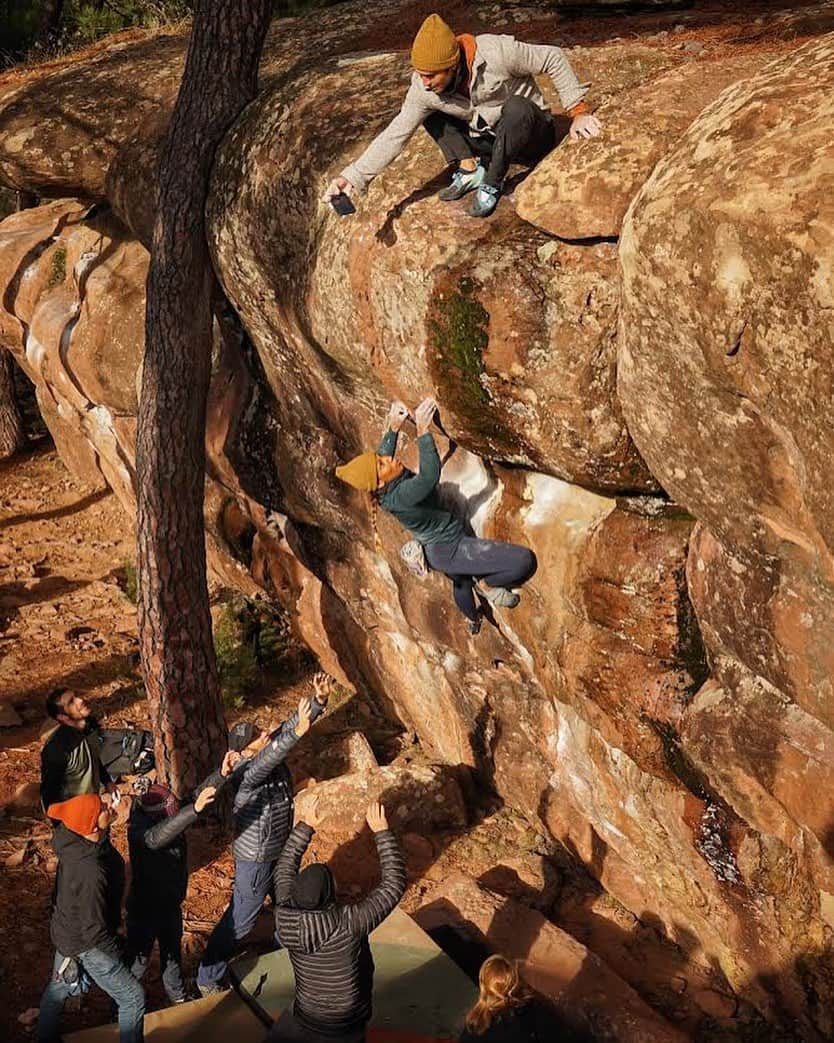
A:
(80, 814)
(360, 472)
(435, 47)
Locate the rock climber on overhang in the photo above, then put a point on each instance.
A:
(439, 535)
(477, 98)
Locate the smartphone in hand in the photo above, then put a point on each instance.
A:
(342, 205)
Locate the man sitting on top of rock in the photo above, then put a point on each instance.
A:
(477, 98)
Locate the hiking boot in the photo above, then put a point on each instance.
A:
(501, 597)
(485, 201)
(463, 181)
(473, 626)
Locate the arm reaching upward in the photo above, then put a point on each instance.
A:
(281, 741)
(288, 864)
(369, 913)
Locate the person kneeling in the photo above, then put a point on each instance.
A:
(328, 942)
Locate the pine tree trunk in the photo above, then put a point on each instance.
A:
(50, 19)
(12, 431)
(178, 662)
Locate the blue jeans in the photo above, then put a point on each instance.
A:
(253, 881)
(112, 977)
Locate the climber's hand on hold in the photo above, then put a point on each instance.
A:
(585, 126)
(336, 187)
(397, 415)
(424, 414)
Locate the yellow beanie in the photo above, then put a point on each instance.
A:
(435, 47)
(360, 472)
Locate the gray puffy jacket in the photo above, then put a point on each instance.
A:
(263, 804)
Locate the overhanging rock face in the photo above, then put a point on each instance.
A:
(697, 797)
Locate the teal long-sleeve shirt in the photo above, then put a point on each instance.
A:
(413, 499)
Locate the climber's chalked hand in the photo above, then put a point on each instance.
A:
(424, 414)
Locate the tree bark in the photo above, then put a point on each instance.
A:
(177, 652)
(49, 20)
(12, 431)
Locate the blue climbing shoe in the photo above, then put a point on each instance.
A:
(485, 201)
(463, 181)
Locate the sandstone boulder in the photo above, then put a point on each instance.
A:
(409, 294)
(583, 189)
(726, 355)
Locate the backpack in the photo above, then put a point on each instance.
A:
(126, 751)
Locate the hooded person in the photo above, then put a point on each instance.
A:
(262, 809)
(478, 99)
(327, 942)
(159, 881)
(414, 501)
(86, 912)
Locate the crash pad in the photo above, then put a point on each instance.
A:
(215, 1019)
(420, 994)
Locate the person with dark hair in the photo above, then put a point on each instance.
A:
(71, 756)
(327, 942)
(263, 809)
(414, 501)
(86, 912)
(159, 881)
(507, 1011)
(477, 98)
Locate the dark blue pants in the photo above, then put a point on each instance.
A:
(497, 564)
(146, 925)
(252, 883)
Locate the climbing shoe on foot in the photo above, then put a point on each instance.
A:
(485, 201)
(463, 181)
(501, 597)
(474, 626)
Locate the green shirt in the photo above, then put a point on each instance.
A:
(70, 765)
(413, 498)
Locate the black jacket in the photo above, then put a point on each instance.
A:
(87, 900)
(328, 948)
(71, 763)
(158, 858)
(535, 1022)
